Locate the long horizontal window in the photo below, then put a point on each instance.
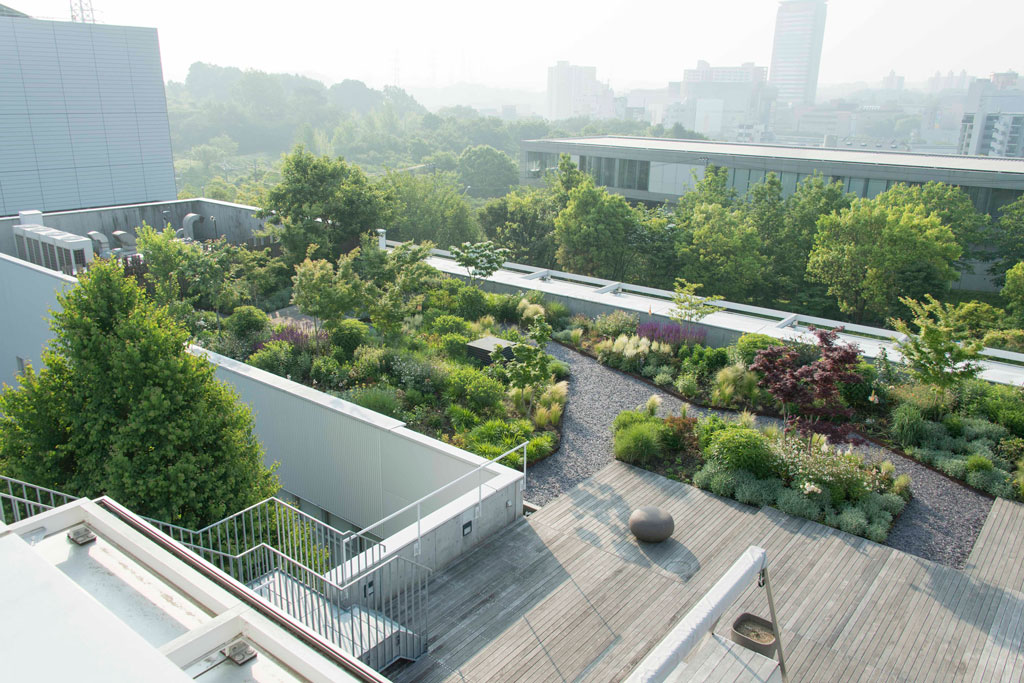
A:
(624, 174)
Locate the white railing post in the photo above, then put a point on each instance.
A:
(479, 493)
(416, 550)
(524, 468)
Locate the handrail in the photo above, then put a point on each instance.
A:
(417, 504)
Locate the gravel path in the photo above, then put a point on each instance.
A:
(940, 523)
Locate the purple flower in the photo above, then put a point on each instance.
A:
(672, 333)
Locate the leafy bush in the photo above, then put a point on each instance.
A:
(346, 336)
(858, 395)
(663, 378)
(930, 401)
(463, 419)
(687, 385)
(978, 463)
(324, 371)
(723, 483)
(853, 520)
(616, 323)
(639, 443)
(842, 474)
(907, 425)
(976, 428)
(557, 313)
(450, 324)
(1008, 340)
(735, 385)
(750, 343)
(901, 486)
(969, 397)
(380, 399)
(559, 370)
(746, 449)
(704, 361)
(993, 481)
(529, 312)
(1005, 405)
(680, 436)
(453, 344)
(628, 418)
(471, 303)
(274, 356)
(759, 492)
(504, 307)
(953, 466)
(796, 503)
(540, 447)
(494, 437)
(370, 363)
(247, 323)
(707, 427)
(483, 393)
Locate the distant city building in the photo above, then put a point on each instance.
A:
(950, 81)
(83, 116)
(993, 120)
(575, 91)
(656, 170)
(721, 101)
(796, 52)
(892, 82)
(744, 73)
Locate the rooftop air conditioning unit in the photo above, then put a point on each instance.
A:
(53, 249)
(126, 241)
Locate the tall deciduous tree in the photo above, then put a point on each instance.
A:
(481, 260)
(595, 231)
(951, 205)
(1008, 238)
(721, 249)
(523, 221)
(323, 201)
(486, 172)
(430, 208)
(870, 255)
(121, 408)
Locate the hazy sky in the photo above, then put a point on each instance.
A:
(423, 44)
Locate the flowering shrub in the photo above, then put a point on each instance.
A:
(631, 353)
(615, 323)
(818, 468)
(672, 334)
(300, 338)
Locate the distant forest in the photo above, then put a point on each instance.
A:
(229, 128)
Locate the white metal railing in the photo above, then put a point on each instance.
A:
(361, 565)
(20, 500)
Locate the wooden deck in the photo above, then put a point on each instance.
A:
(569, 595)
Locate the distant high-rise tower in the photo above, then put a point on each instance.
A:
(575, 91)
(796, 53)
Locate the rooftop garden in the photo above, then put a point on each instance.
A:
(384, 330)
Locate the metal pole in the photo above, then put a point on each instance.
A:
(524, 469)
(775, 624)
(418, 535)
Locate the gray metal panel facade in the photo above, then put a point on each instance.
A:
(83, 116)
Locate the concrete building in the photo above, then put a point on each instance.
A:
(993, 120)
(796, 52)
(83, 116)
(722, 101)
(575, 91)
(657, 170)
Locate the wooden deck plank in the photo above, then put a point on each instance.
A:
(572, 595)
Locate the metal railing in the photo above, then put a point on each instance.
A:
(272, 522)
(358, 562)
(378, 618)
(20, 500)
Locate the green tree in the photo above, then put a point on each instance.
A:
(595, 232)
(322, 293)
(523, 221)
(1013, 290)
(481, 260)
(689, 306)
(529, 369)
(1008, 238)
(789, 251)
(121, 408)
(951, 205)
(430, 208)
(486, 172)
(323, 201)
(720, 248)
(936, 354)
(870, 255)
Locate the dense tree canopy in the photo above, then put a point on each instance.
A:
(594, 231)
(121, 408)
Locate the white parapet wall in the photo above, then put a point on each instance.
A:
(593, 296)
(357, 465)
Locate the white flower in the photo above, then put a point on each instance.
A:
(810, 488)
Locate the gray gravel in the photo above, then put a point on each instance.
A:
(940, 523)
